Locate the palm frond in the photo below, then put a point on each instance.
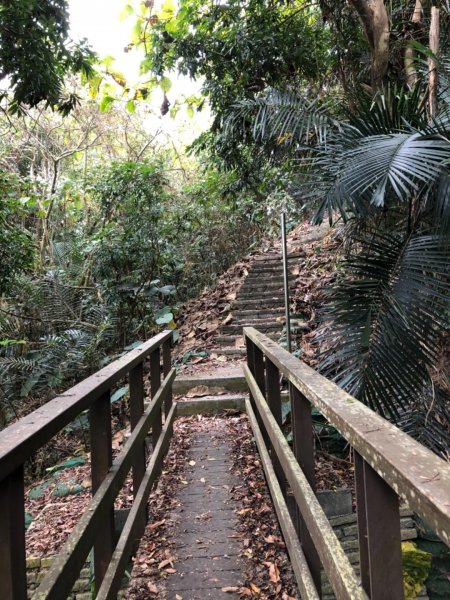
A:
(363, 171)
(282, 116)
(393, 109)
(385, 316)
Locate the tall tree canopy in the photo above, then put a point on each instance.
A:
(36, 52)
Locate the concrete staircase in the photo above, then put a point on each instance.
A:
(259, 303)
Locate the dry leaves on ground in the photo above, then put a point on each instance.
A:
(268, 570)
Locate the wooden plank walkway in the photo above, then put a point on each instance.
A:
(207, 543)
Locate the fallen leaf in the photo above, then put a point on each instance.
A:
(230, 589)
(156, 525)
(197, 360)
(244, 511)
(117, 439)
(255, 588)
(171, 571)
(152, 588)
(192, 463)
(164, 563)
(199, 390)
(274, 573)
(245, 591)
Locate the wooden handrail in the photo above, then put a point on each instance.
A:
(21, 439)
(388, 463)
(65, 568)
(96, 525)
(334, 559)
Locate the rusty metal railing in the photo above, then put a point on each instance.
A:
(95, 529)
(388, 465)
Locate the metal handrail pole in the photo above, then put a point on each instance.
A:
(286, 282)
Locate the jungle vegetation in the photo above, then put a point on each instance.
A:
(335, 110)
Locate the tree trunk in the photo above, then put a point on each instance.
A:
(45, 224)
(432, 63)
(410, 69)
(375, 20)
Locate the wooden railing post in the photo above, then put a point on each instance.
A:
(136, 411)
(260, 378)
(250, 361)
(155, 383)
(379, 534)
(167, 365)
(13, 578)
(274, 402)
(101, 460)
(303, 447)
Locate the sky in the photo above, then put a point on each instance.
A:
(98, 21)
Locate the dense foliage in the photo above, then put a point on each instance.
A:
(360, 135)
(98, 254)
(341, 108)
(35, 53)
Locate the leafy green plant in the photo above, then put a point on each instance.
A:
(384, 170)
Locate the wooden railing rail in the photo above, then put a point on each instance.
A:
(95, 528)
(388, 464)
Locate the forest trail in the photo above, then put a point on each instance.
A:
(259, 303)
(214, 371)
(212, 530)
(201, 388)
(251, 293)
(216, 533)
(205, 531)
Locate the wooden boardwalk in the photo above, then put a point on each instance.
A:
(207, 543)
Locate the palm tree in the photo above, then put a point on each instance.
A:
(384, 172)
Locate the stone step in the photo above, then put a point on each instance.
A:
(267, 268)
(262, 327)
(259, 279)
(210, 405)
(231, 351)
(230, 340)
(260, 304)
(263, 297)
(265, 258)
(270, 293)
(273, 312)
(261, 284)
(260, 319)
(232, 383)
(259, 290)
